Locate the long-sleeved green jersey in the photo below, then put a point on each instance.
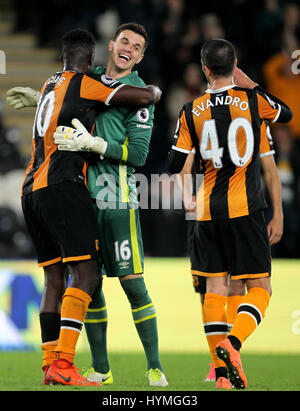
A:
(128, 132)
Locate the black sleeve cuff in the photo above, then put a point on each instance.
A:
(176, 161)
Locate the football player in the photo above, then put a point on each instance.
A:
(124, 144)
(230, 234)
(275, 226)
(57, 207)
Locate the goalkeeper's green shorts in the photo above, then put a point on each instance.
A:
(120, 242)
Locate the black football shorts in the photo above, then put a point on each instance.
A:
(239, 247)
(61, 222)
(199, 282)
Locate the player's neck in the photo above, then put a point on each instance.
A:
(79, 68)
(220, 82)
(114, 73)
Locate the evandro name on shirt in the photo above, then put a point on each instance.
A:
(220, 100)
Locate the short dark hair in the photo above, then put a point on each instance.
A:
(78, 41)
(219, 56)
(136, 28)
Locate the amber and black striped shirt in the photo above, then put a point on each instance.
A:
(66, 95)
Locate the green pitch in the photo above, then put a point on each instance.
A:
(185, 372)
(270, 356)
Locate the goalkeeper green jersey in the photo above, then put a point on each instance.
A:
(111, 179)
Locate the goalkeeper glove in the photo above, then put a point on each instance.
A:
(78, 139)
(20, 97)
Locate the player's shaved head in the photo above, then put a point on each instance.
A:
(77, 46)
(219, 56)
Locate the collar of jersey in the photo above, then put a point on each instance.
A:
(134, 73)
(219, 90)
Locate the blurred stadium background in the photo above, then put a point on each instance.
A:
(265, 33)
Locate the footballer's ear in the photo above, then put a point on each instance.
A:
(140, 59)
(91, 59)
(110, 45)
(206, 70)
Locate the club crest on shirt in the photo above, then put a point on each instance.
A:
(143, 115)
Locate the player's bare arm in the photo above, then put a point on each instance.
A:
(185, 181)
(137, 96)
(271, 175)
(21, 97)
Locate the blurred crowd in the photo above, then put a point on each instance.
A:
(14, 239)
(265, 34)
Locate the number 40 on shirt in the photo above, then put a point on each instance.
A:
(211, 150)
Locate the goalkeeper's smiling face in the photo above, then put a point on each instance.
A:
(127, 50)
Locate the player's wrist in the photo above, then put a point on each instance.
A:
(253, 84)
(278, 214)
(36, 95)
(98, 145)
(31, 96)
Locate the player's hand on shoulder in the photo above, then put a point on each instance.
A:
(67, 139)
(20, 97)
(71, 139)
(78, 139)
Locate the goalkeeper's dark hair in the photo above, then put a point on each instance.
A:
(136, 28)
(78, 44)
(219, 56)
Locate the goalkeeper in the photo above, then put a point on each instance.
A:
(123, 145)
